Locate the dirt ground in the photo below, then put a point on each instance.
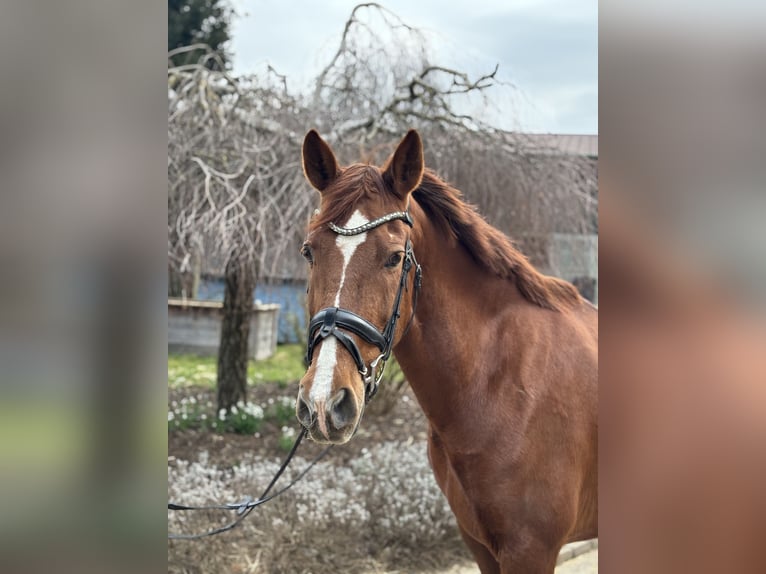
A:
(584, 563)
(404, 423)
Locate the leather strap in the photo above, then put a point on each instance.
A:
(346, 319)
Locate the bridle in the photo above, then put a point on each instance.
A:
(337, 322)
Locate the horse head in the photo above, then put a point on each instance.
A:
(359, 252)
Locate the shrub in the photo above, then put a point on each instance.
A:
(198, 412)
(243, 418)
(287, 438)
(192, 412)
(281, 410)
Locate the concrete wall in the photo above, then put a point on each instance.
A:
(290, 296)
(195, 327)
(573, 257)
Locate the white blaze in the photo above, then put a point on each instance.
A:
(322, 386)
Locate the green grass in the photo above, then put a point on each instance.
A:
(284, 367)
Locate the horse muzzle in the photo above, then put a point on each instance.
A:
(329, 421)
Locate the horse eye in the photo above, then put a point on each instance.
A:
(394, 260)
(307, 254)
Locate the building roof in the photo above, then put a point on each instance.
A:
(567, 144)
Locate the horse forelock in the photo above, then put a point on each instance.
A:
(356, 185)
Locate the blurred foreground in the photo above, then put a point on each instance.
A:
(683, 293)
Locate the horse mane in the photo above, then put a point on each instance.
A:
(444, 206)
(489, 247)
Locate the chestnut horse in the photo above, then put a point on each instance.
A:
(502, 359)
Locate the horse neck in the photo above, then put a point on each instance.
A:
(448, 338)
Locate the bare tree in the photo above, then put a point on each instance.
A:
(235, 190)
(382, 79)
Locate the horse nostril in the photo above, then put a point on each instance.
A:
(304, 412)
(342, 409)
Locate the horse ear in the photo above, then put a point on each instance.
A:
(319, 163)
(404, 170)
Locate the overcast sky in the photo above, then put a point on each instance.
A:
(548, 49)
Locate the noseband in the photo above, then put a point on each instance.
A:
(337, 322)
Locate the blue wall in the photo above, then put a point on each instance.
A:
(290, 296)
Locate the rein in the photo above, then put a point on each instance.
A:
(247, 505)
(335, 321)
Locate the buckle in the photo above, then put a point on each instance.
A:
(372, 381)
